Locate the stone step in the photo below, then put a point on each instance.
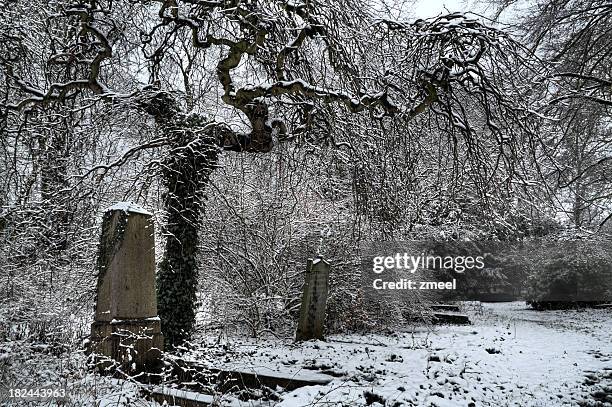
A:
(230, 378)
(185, 371)
(451, 318)
(257, 377)
(445, 307)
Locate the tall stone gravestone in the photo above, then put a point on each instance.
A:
(314, 300)
(126, 327)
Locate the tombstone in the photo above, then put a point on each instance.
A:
(314, 300)
(126, 326)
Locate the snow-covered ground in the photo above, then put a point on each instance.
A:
(509, 356)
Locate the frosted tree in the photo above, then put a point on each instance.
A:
(573, 37)
(244, 76)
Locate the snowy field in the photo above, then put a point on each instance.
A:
(509, 356)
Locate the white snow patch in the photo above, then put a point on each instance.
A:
(316, 260)
(185, 394)
(128, 207)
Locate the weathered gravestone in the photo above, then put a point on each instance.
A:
(314, 300)
(126, 327)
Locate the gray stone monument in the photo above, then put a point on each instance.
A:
(314, 300)
(126, 327)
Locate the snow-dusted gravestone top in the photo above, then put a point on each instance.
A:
(314, 300)
(128, 207)
(126, 325)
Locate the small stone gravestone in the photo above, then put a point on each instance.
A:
(314, 300)
(126, 327)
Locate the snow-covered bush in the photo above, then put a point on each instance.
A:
(570, 274)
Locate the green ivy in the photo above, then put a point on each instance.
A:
(192, 158)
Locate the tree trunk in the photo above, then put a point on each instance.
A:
(194, 147)
(54, 187)
(186, 172)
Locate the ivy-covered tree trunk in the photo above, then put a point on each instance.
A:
(186, 172)
(194, 147)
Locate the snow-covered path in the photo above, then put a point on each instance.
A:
(509, 356)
